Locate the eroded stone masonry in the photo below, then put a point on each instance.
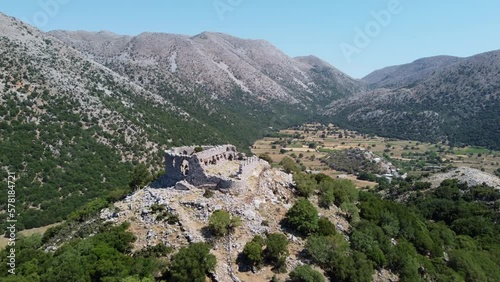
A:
(213, 167)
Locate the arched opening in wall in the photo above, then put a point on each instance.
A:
(185, 167)
(230, 157)
(228, 149)
(214, 161)
(185, 152)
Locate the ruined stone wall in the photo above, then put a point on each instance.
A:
(183, 163)
(249, 165)
(217, 154)
(175, 166)
(187, 150)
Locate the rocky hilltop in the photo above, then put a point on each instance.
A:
(260, 204)
(179, 214)
(408, 74)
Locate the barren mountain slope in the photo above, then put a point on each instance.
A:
(217, 63)
(459, 103)
(408, 74)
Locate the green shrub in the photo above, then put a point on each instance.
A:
(139, 177)
(253, 251)
(305, 184)
(277, 250)
(326, 227)
(192, 263)
(266, 158)
(303, 217)
(289, 165)
(305, 273)
(221, 223)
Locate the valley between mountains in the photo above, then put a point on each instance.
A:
(392, 177)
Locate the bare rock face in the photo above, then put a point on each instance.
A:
(403, 75)
(215, 62)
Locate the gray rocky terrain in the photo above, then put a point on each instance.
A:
(471, 176)
(215, 62)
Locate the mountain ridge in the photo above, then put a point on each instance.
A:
(235, 61)
(457, 103)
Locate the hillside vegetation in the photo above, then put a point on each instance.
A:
(447, 234)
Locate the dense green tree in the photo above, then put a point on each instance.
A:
(306, 184)
(326, 196)
(303, 217)
(389, 223)
(192, 263)
(345, 192)
(222, 223)
(364, 240)
(103, 257)
(305, 273)
(404, 261)
(325, 227)
(277, 250)
(253, 251)
(352, 211)
(139, 177)
(473, 226)
(474, 265)
(357, 268)
(289, 165)
(327, 250)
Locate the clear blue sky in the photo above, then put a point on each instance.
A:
(298, 27)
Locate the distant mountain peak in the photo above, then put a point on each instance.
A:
(218, 63)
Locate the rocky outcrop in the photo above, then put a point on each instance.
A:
(467, 175)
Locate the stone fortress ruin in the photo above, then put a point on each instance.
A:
(213, 167)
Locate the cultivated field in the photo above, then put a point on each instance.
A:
(26, 233)
(309, 143)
